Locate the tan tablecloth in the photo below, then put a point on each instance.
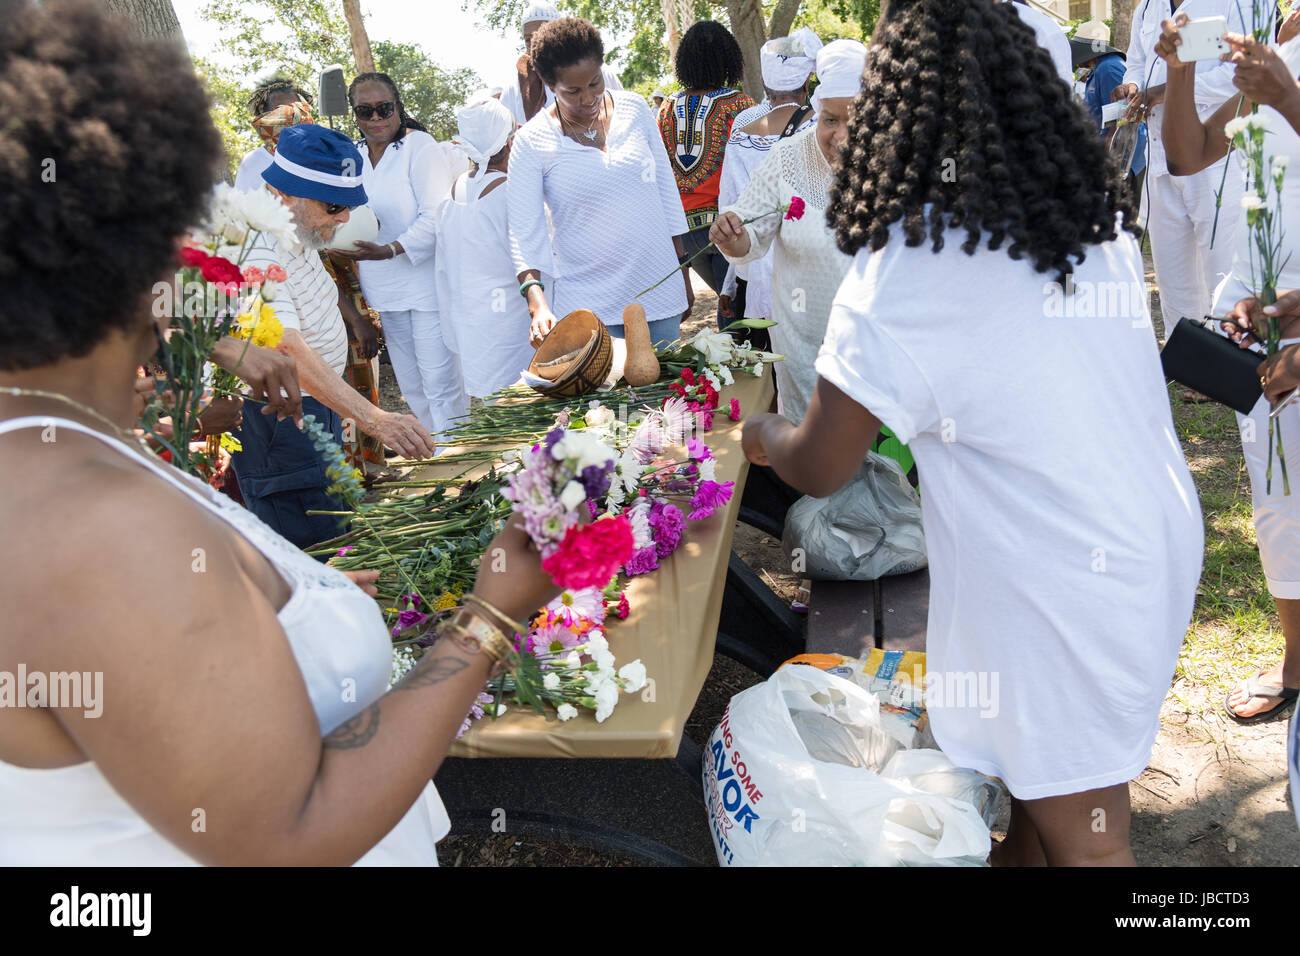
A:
(672, 629)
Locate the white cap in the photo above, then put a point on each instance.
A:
(839, 70)
(541, 13)
(658, 94)
(484, 127)
(787, 62)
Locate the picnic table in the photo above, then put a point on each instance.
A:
(636, 787)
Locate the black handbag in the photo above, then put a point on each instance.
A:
(1212, 364)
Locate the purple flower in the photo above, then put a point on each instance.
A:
(342, 551)
(642, 562)
(592, 509)
(595, 480)
(409, 618)
(553, 436)
(698, 450)
(710, 496)
(667, 522)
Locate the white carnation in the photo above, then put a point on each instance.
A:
(1279, 165)
(596, 641)
(573, 495)
(604, 660)
(1251, 201)
(551, 681)
(1234, 126)
(566, 711)
(268, 290)
(606, 701)
(572, 661)
(634, 675)
(707, 472)
(724, 374)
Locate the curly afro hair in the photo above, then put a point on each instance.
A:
(108, 156)
(962, 111)
(709, 58)
(562, 43)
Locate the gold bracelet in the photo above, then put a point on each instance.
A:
(477, 635)
(514, 626)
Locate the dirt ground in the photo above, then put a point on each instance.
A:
(1214, 794)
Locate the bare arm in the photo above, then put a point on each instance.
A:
(402, 432)
(824, 451)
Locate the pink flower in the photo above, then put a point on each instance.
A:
(698, 450)
(795, 209)
(591, 554)
(706, 421)
(642, 562)
(624, 609)
(253, 275)
(276, 274)
(342, 551)
(734, 414)
(709, 497)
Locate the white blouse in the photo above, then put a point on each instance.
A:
(615, 212)
(807, 266)
(413, 176)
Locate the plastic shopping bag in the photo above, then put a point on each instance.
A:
(800, 773)
(868, 529)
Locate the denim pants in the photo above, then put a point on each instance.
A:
(712, 265)
(281, 475)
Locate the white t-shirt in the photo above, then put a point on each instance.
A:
(615, 213)
(1062, 526)
(1051, 38)
(249, 176)
(308, 300)
(413, 176)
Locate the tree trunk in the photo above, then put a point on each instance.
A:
(152, 18)
(1122, 13)
(782, 18)
(673, 21)
(361, 54)
(751, 33)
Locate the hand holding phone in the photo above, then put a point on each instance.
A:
(1202, 39)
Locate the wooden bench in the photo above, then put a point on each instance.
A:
(852, 617)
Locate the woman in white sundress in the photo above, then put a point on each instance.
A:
(1061, 523)
(240, 713)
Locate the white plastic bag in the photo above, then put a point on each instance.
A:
(868, 529)
(799, 773)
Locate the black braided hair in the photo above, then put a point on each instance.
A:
(962, 92)
(709, 58)
(407, 121)
(259, 102)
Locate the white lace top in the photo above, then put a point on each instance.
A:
(72, 816)
(807, 267)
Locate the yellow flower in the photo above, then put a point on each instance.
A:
(446, 601)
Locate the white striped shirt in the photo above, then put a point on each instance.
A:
(308, 300)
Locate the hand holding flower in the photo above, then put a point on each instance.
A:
(729, 235)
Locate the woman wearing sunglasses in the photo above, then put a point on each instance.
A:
(406, 174)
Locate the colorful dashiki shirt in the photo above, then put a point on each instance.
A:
(695, 129)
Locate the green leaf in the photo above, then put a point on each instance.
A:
(749, 324)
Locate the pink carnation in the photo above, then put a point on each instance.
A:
(795, 209)
(642, 562)
(253, 275)
(275, 273)
(734, 414)
(591, 554)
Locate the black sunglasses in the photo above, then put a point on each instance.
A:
(334, 208)
(365, 111)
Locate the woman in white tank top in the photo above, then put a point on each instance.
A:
(231, 705)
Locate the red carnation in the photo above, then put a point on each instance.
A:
(735, 410)
(677, 389)
(217, 269)
(590, 555)
(688, 376)
(624, 609)
(795, 209)
(191, 256)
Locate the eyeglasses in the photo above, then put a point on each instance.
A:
(334, 208)
(364, 111)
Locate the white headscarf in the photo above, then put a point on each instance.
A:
(788, 61)
(484, 128)
(839, 70)
(540, 13)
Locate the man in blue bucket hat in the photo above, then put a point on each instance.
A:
(316, 174)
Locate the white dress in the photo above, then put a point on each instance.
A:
(72, 816)
(251, 167)
(615, 212)
(482, 308)
(1276, 514)
(745, 151)
(807, 266)
(1062, 526)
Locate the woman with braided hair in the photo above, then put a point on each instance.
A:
(406, 174)
(995, 318)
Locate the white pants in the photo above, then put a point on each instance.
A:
(1179, 217)
(1277, 515)
(428, 372)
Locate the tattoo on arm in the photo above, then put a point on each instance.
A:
(356, 732)
(429, 671)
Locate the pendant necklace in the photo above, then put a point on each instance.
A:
(590, 132)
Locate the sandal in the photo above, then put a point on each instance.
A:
(1254, 688)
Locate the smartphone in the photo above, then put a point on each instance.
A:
(1203, 39)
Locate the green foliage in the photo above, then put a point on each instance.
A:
(300, 38)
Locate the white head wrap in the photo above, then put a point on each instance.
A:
(484, 128)
(540, 13)
(788, 61)
(839, 70)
